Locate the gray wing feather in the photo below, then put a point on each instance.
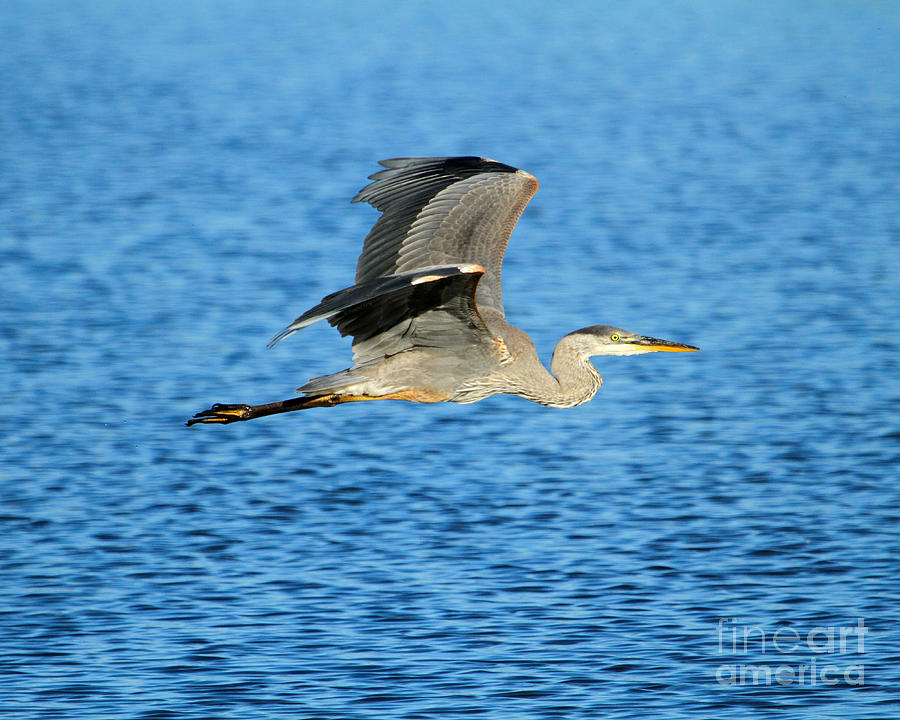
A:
(438, 211)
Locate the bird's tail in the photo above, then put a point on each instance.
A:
(343, 382)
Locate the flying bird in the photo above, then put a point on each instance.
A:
(426, 313)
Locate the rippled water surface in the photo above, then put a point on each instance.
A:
(173, 190)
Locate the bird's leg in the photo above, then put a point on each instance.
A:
(224, 414)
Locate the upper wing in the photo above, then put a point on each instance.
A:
(442, 211)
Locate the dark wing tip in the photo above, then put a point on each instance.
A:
(451, 164)
(414, 169)
(470, 164)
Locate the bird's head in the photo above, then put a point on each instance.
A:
(608, 340)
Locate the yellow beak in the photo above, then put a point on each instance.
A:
(649, 343)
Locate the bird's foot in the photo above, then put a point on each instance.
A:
(220, 413)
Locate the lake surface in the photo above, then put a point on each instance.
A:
(174, 182)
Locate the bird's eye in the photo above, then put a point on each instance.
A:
(614, 337)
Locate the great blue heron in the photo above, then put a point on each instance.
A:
(426, 314)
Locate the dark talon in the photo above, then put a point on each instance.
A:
(221, 413)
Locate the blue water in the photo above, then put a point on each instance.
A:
(174, 180)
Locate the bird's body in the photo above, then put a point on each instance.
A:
(426, 312)
(508, 363)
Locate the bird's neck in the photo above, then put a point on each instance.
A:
(574, 379)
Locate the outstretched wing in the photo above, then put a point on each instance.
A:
(429, 307)
(443, 211)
